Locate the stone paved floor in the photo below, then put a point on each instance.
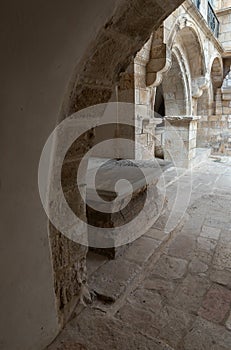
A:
(167, 291)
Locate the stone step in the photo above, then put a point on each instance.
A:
(93, 329)
(127, 268)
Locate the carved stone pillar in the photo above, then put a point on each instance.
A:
(180, 140)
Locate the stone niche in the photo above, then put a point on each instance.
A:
(180, 140)
(136, 194)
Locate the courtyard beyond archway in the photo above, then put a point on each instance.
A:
(168, 292)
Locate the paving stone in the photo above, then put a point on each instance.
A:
(189, 295)
(141, 250)
(96, 331)
(170, 268)
(193, 227)
(196, 266)
(210, 232)
(164, 287)
(215, 222)
(205, 335)
(216, 304)
(159, 235)
(147, 300)
(221, 215)
(182, 247)
(141, 319)
(169, 322)
(173, 324)
(222, 256)
(204, 256)
(206, 244)
(222, 277)
(111, 279)
(161, 221)
(226, 236)
(158, 284)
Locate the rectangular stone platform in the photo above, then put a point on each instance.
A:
(107, 173)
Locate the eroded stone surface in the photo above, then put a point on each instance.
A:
(222, 277)
(206, 336)
(216, 304)
(104, 283)
(190, 292)
(96, 334)
(146, 299)
(206, 244)
(196, 266)
(222, 257)
(172, 324)
(141, 249)
(141, 319)
(182, 247)
(210, 232)
(156, 234)
(153, 283)
(170, 267)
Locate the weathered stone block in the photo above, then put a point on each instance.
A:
(116, 214)
(170, 267)
(216, 304)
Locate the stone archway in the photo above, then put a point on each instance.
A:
(184, 40)
(93, 82)
(186, 37)
(42, 43)
(190, 42)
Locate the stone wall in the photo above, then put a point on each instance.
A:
(216, 134)
(215, 130)
(224, 16)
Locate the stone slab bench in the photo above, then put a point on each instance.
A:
(117, 193)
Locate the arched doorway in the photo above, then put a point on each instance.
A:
(89, 86)
(38, 61)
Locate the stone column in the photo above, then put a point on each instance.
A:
(180, 140)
